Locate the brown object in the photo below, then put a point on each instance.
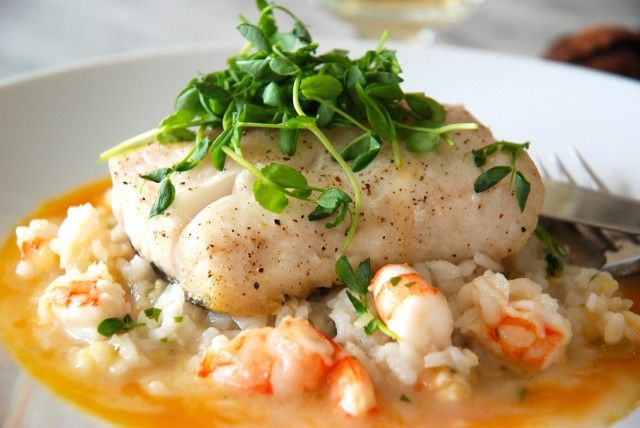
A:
(609, 48)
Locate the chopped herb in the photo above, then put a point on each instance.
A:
(358, 284)
(410, 284)
(555, 254)
(494, 175)
(405, 398)
(110, 326)
(395, 280)
(594, 276)
(279, 82)
(178, 319)
(153, 313)
(164, 340)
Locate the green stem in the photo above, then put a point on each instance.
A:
(357, 193)
(441, 129)
(342, 113)
(133, 143)
(382, 41)
(397, 153)
(259, 175)
(386, 330)
(245, 49)
(296, 97)
(261, 125)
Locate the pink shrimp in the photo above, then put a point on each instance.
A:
(412, 307)
(289, 359)
(524, 343)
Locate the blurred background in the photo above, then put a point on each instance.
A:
(36, 34)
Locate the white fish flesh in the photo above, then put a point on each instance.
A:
(231, 255)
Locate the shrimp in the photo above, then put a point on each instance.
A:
(522, 338)
(290, 359)
(514, 320)
(413, 308)
(79, 302)
(36, 257)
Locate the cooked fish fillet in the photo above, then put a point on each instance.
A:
(232, 256)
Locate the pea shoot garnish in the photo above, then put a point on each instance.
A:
(110, 326)
(494, 175)
(358, 289)
(279, 82)
(555, 254)
(153, 313)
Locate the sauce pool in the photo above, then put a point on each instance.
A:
(587, 390)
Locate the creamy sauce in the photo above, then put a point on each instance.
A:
(598, 386)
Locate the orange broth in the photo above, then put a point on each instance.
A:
(594, 390)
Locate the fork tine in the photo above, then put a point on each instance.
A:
(563, 169)
(599, 183)
(543, 170)
(592, 242)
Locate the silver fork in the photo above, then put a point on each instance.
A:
(615, 252)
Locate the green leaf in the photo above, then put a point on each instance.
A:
(176, 136)
(371, 327)
(269, 196)
(218, 157)
(266, 23)
(188, 101)
(420, 142)
(382, 77)
(213, 98)
(283, 66)
(352, 77)
(320, 86)
(191, 161)
(555, 254)
(387, 91)
(259, 69)
(164, 198)
(179, 119)
(357, 304)
(301, 32)
(110, 326)
(331, 201)
(426, 108)
(522, 188)
(337, 56)
(341, 213)
(324, 114)
(288, 141)
(321, 212)
(272, 96)
(153, 313)
(228, 118)
(157, 175)
(363, 276)
(377, 116)
(362, 150)
(490, 178)
(255, 36)
(345, 273)
(288, 178)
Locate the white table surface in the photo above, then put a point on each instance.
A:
(36, 34)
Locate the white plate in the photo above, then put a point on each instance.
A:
(54, 124)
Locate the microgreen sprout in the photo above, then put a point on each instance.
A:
(110, 326)
(494, 175)
(358, 289)
(555, 254)
(278, 82)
